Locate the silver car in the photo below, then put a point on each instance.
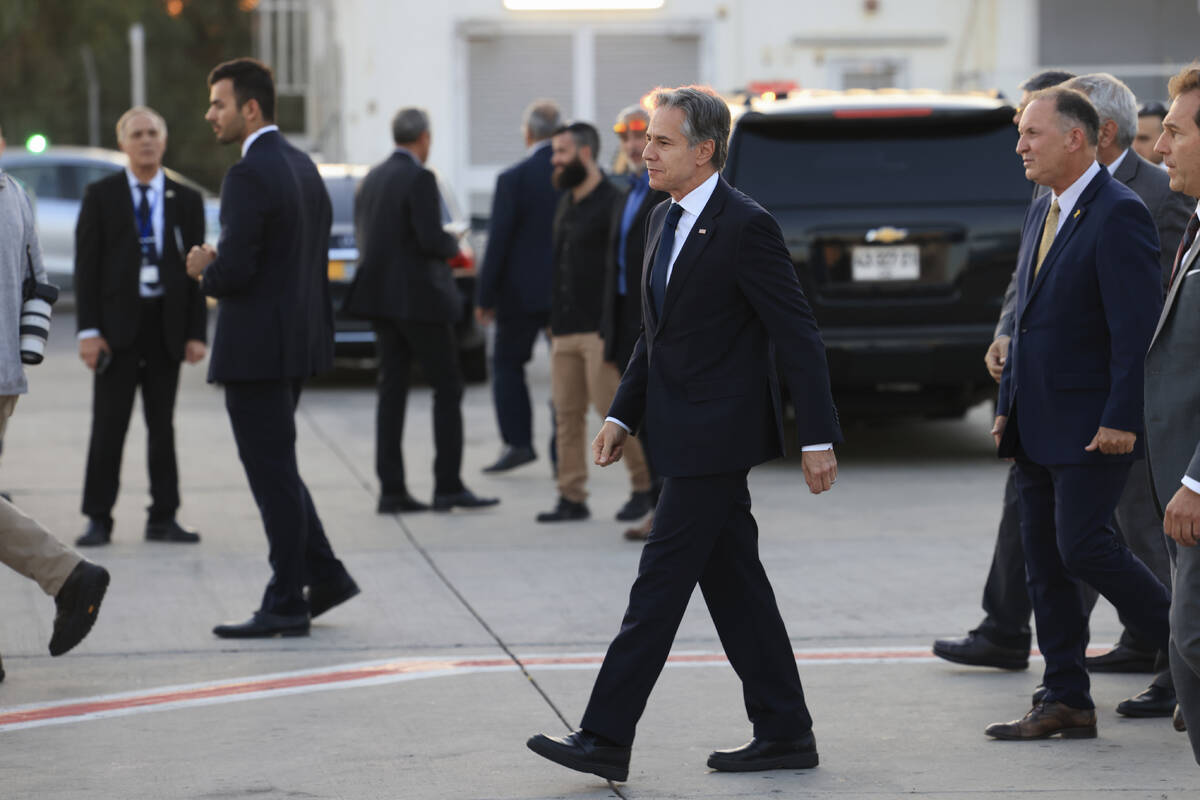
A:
(56, 180)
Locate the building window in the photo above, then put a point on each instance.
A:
(282, 35)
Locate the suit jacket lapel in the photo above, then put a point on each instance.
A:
(1068, 229)
(698, 238)
(170, 215)
(1184, 265)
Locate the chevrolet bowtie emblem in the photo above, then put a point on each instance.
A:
(702, 231)
(887, 235)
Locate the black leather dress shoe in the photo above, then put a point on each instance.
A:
(975, 650)
(324, 596)
(565, 511)
(760, 754)
(76, 606)
(262, 625)
(511, 458)
(1177, 721)
(464, 499)
(583, 752)
(403, 503)
(1121, 659)
(95, 534)
(1153, 701)
(637, 506)
(170, 532)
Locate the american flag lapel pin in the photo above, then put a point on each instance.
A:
(702, 231)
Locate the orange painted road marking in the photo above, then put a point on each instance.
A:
(373, 673)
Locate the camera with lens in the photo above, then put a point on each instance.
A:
(35, 315)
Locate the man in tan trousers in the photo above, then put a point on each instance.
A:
(76, 585)
(579, 373)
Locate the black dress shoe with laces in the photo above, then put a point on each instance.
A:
(464, 499)
(1121, 659)
(637, 506)
(1153, 701)
(263, 625)
(565, 511)
(511, 458)
(399, 503)
(975, 650)
(76, 606)
(584, 752)
(95, 534)
(326, 595)
(760, 754)
(170, 531)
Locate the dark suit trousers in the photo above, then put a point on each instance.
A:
(1065, 528)
(146, 364)
(703, 533)
(433, 346)
(262, 414)
(511, 351)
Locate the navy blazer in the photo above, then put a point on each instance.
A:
(275, 319)
(518, 261)
(402, 271)
(703, 380)
(1083, 326)
(108, 254)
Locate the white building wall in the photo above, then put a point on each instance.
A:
(413, 52)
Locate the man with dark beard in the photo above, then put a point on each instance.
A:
(579, 373)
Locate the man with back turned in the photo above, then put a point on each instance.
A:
(720, 290)
(274, 329)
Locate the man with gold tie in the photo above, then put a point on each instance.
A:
(1070, 405)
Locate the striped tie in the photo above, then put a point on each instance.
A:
(1048, 232)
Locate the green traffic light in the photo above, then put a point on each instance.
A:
(36, 143)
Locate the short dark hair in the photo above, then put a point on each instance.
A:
(408, 125)
(1075, 108)
(1045, 79)
(252, 80)
(584, 134)
(1152, 109)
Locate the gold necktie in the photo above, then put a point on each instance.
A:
(1048, 231)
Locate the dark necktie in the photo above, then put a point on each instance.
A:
(662, 259)
(146, 235)
(1189, 238)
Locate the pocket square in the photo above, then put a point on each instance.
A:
(1191, 272)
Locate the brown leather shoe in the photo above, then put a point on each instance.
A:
(1048, 719)
(641, 532)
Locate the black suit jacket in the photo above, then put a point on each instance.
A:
(402, 248)
(518, 262)
(108, 259)
(618, 325)
(703, 378)
(275, 320)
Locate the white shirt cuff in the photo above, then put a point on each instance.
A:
(88, 333)
(1191, 483)
(809, 447)
(616, 421)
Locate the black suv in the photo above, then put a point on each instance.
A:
(902, 212)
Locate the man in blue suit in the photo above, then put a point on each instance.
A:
(720, 290)
(514, 281)
(1070, 405)
(274, 329)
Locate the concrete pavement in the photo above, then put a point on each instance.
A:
(476, 630)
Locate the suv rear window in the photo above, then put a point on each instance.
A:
(803, 162)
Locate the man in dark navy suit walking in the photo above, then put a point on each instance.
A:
(274, 329)
(1070, 406)
(720, 289)
(514, 280)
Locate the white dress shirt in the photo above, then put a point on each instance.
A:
(1070, 195)
(252, 137)
(693, 203)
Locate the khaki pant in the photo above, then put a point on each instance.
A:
(26, 546)
(579, 374)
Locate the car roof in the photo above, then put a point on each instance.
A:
(82, 156)
(867, 103)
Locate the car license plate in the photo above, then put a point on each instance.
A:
(898, 263)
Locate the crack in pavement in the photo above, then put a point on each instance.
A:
(368, 486)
